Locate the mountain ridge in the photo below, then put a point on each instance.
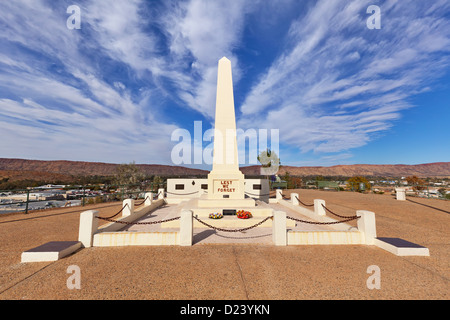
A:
(19, 169)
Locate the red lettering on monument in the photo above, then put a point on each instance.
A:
(226, 186)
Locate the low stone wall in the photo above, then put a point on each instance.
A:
(135, 215)
(109, 235)
(324, 237)
(115, 239)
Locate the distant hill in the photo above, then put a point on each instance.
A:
(437, 169)
(21, 169)
(62, 170)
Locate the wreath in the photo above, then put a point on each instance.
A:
(215, 215)
(242, 214)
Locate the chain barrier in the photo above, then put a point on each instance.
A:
(306, 205)
(140, 223)
(141, 203)
(337, 215)
(232, 230)
(126, 205)
(317, 222)
(182, 194)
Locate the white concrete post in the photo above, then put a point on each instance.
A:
(129, 209)
(366, 224)
(279, 232)
(400, 194)
(161, 193)
(148, 199)
(279, 194)
(186, 229)
(318, 208)
(88, 226)
(294, 199)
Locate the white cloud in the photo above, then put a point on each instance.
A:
(333, 85)
(203, 32)
(73, 113)
(336, 84)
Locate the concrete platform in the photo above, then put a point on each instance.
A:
(255, 211)
(224, 203)
(401, 247)
(227, 222)
(50, 251)
(118, 239)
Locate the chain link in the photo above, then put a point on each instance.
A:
(337, 215)
(182, 194)
(317, 222)
(126, 205)
(141, 203)
(306, 205)
(140, 223)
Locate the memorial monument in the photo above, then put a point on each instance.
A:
(225, 181)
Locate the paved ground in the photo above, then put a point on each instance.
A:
(235, 271)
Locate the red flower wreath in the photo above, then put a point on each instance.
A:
(241, 214)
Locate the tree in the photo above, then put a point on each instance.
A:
(128, 174)
(355, 183)
(296, 182)
(157, 182)
(415, 182)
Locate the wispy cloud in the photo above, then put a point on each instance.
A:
(201, 32)
(116, 89)
(336, 83)
(59, 104)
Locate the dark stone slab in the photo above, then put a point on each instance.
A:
(54, 246)
(228, 212)
(400, 243)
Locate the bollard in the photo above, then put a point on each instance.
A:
(279, 194)
(148, 199)
(294, 199)
(88, 226)
(186, 229)
(366, 224)
(318, 208)
(161, 193)
(129, 209)
(400, 194)
(279, 233)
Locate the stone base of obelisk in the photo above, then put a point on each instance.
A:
(226, 190)
(226, 203)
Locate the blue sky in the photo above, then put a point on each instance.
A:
(116, 89)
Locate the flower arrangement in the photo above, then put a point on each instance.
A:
(242, 214)
(215, 215)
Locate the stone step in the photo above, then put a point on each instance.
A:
(50, 251)
(401, 247)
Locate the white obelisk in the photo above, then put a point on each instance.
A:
(225, 181)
